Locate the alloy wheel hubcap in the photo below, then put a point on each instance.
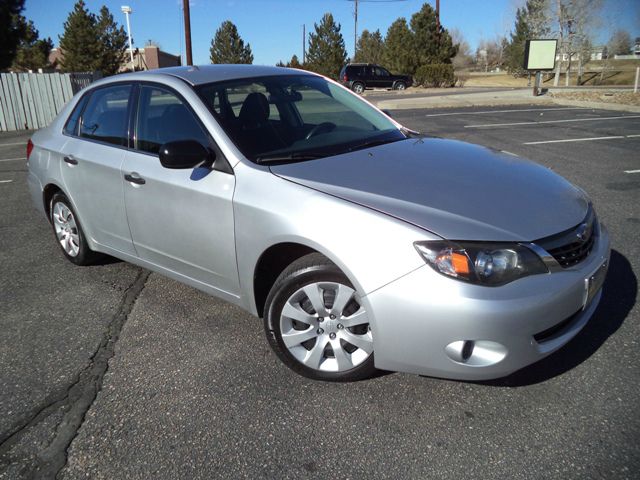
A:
(325, 328)
(66, 229)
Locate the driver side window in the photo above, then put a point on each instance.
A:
(163, 117)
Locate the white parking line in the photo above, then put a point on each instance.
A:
(589, 139)
(632, 171)
(509, 153)
(551, 121)
(12, 159)
(505, 111)
(12, 144)
(6, 181)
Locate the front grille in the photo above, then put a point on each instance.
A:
(573, 253)
(574, 245)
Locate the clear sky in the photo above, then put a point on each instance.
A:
(274, 27)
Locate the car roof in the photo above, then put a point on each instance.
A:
(198, 75)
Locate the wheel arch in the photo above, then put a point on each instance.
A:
(275, 259)
(271, 264)
(49, 190)
(47, 194)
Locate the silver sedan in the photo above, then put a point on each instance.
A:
(362, 244)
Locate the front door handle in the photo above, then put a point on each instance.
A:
(70, 160)
(134, 178)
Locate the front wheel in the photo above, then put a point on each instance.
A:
(316, 323)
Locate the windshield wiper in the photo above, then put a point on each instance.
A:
(265, 159)
(411, 133)
(373, 143)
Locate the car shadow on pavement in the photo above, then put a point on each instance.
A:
(105, 259)
(618, 298)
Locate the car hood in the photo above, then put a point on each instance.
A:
(456, 190)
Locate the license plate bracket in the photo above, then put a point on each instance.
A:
(593, 283)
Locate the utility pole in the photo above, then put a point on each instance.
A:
(304, 44)
(438, 16)
(187, 30)
(355, 29)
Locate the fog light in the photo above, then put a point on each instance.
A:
(476, 353)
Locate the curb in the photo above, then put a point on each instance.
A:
(446, 102)
(618, 107)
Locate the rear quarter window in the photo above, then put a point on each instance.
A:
(71, 127)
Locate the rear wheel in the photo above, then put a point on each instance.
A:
(400, 86)
(69, 233)
(316, 323)
(358, 87)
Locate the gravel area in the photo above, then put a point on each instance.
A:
(623, 98)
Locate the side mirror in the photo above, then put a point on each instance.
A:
(184, 154)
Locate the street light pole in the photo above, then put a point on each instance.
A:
(127, 11)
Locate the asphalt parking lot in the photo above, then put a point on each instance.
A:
(111, 372)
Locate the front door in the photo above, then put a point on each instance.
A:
(180, 220)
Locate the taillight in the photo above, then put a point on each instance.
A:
(29, 148)
(345, 78)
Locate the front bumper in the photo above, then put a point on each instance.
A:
(428, 324)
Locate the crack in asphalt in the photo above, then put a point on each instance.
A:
(75, 400)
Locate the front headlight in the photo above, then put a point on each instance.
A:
(490, 264)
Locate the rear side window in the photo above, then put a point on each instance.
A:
(71, 128)
(105, 118)
(163, 117)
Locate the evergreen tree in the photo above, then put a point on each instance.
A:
(294, 62)
(370, 47)
(80, 42)
(530, 23)
(228, 47)
(514, 53)
(326, 53)
(32, 52)
(11, 30)
(431, 44)
(397, 54)
(113, 43)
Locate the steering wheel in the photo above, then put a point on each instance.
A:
(324, 127)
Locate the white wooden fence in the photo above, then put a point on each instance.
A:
(32, 100)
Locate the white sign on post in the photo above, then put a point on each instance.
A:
(540, 54)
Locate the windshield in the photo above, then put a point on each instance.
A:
(295, 117)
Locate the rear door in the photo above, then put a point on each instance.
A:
(381, 78)
(92, 157)
(180, 220)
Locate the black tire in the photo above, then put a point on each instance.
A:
(358, 87)
(84, 256)
(305, 271)
(400, 86)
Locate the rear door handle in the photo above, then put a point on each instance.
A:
(134, 178)
(71, 160)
